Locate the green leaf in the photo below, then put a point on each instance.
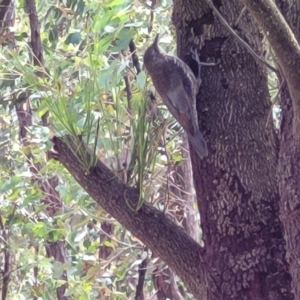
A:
(141, 80)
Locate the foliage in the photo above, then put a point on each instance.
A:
(86, 57)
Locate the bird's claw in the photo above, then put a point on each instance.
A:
(195, 56)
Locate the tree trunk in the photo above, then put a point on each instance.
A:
(289, 159)
(236, 185)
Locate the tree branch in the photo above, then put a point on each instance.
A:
(284, 44)
(139, 295)
(161, 235)
(36, 44)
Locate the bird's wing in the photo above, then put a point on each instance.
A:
(178, 104)
(182, 81)
(180, 99)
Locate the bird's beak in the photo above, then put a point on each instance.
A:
(155, 43)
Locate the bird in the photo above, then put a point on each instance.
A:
(177, 85)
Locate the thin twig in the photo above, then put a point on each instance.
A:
(6, 261)
(128, 93)
(240, 16)
(167, 193)
(139, 295)
(135, 59)
(239, 39)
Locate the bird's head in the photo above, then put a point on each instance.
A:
(153, 54)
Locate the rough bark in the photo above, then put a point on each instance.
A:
(289, 161)
(236, 185)
(190, 222)
(288, 179)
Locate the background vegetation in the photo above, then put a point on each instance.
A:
(85, 80)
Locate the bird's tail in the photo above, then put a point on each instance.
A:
(198, 144)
